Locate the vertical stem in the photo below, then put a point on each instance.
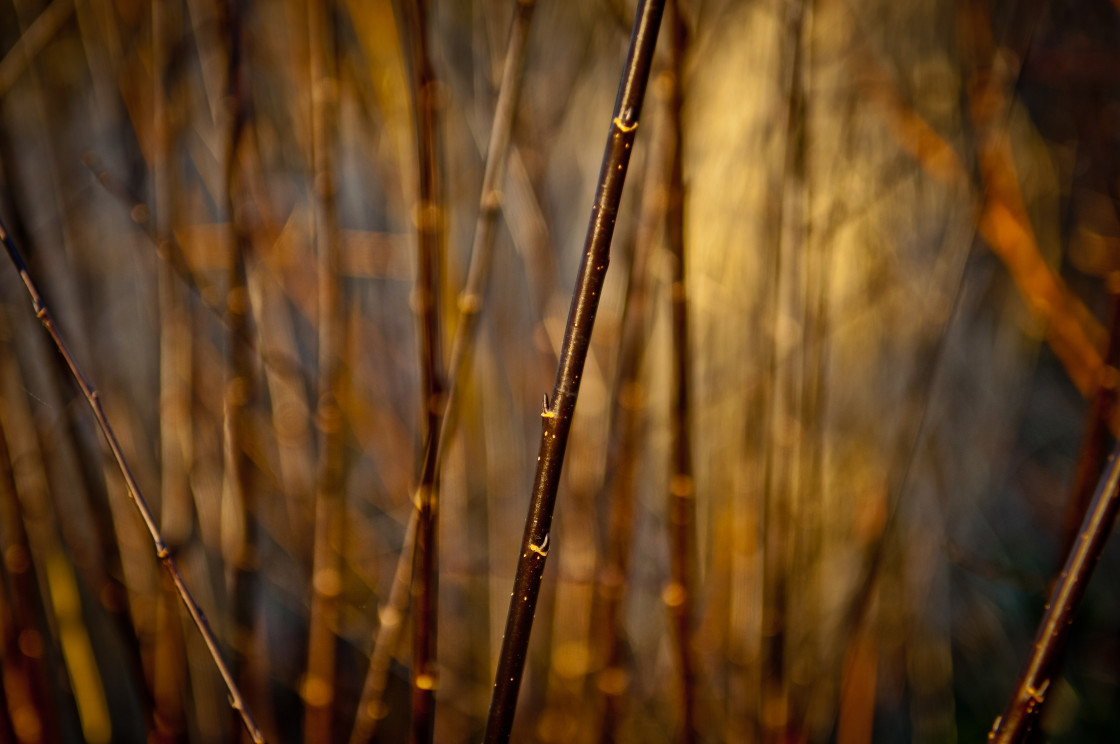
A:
(557, 414)
(678, 594)
(319, 685)
(429, 217)
(622, 460)
(169, 665)
(26, 677)
(783, 489)
(239, 383)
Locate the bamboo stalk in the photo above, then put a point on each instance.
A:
(557, 413)
(241, 552)
(430, 219)
(237, 703)
(1029, 696)
(678, 595)
(169, 663)
(319, 685)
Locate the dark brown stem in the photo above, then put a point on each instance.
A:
(682, 503)
(1034, 684)
(429, 217)
(557, 413)
(237, 702)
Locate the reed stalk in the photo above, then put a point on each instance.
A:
(557, 413)
(237, 702)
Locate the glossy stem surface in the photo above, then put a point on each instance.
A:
(1034, 683)
(557, 414)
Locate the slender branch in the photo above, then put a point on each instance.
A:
(557, 414)
(470, 307)
(1030, 694)
(678, 595)
(162, 552)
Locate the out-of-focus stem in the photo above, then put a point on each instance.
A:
(239, 389)
(678, 595)
(319, 684)
(622, 460)
(430, 219)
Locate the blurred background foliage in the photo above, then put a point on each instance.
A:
(901, 238)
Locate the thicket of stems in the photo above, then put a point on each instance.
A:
(557, 414)
(237, 701)
(470, 308)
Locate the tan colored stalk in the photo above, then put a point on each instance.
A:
(319, 684)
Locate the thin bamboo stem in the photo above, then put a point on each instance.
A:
(557, 413)
(319, 684)
(430, 223)
(489, 207)
(1027, 700)
(237, 702)
(678, 595)
(176, 431)
(239, 390)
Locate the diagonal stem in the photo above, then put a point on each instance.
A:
(1030, 694)
(236, 701)
(557, 414)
